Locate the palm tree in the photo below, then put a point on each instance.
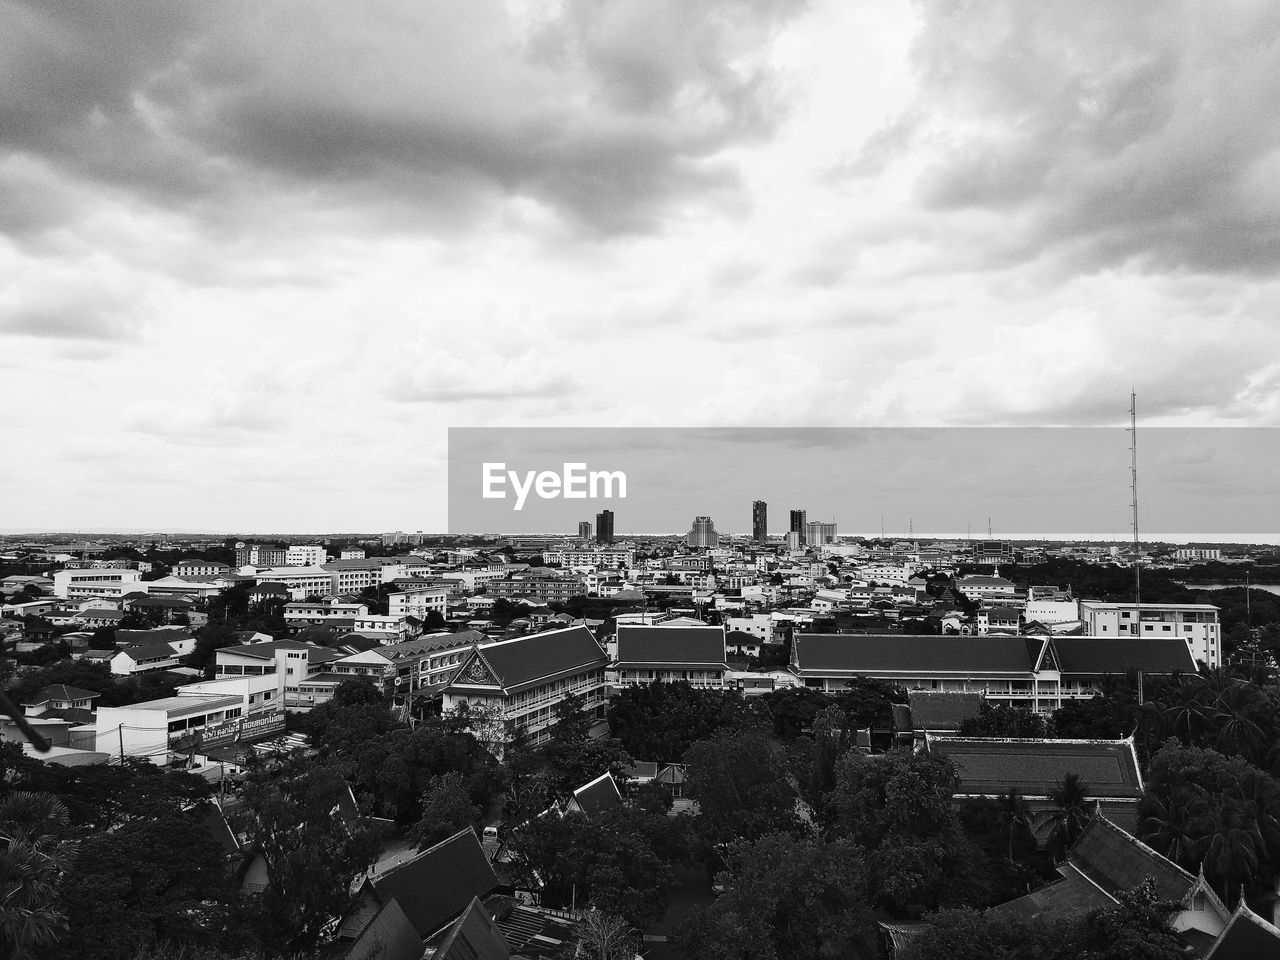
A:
(1239, 734)
(1070, 813)
(33, 859)
(1176, 828)
(1186, 712)
(1014, 816)
(1233, 847)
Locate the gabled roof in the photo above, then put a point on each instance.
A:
(522, 661)
(388, 936)
(473, 936)
(1116, 861)
(935, 710)
(1094, 656)
(990, 766)
(147, 651)
(436, 885)
(818, 653)
(1246, 937)
(59, 691)
(599, 795)
(700, 646)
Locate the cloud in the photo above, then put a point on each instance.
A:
(613, 114)
(1098, 132)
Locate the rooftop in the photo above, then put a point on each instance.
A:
(991, 766)
(671, 645)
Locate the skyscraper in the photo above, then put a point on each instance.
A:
(604, 526)
(817, 533)
(703, 533)
(759, 521)
(584, 529)
(798, 520)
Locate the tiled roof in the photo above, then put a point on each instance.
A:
(1246, 937)
(147, 651)
(473, 936)
(644, 645)
(1100, 655)
(438, 884)
(1116, 861)
(599, 795)
(526, 659)
(989, 767)
(60, 691)
(932, 710)
(892, 653)
(1071, 897)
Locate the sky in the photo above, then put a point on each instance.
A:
(257, 259)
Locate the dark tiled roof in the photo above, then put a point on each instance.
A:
(1071, 897)
(1247, 937)
(60, 691)
(141, 637)
(389, 936)
(1099, 655)
(526, 659)
(1116, 861)
(932, 710)
(738, 638)
(695, 646)
(147, 651)
(989, 767)
(474, 936)
(890, 653)
(436, 885)
(599, 795)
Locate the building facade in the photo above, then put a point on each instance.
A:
(1195, 623)
(759, 521)
(510, 688)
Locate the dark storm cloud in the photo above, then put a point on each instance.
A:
(611, 113)
(1102, 132)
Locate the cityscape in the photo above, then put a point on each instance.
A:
(464, 715)
(639, 480)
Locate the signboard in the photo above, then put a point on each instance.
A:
(247, 728)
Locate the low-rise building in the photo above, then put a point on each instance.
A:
(97, 582)
(509, 687)
(1196, 623)
(648, 654)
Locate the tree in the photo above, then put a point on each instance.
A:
(967, 934)
(740, 786)
(446, 809)
(312, 855)
(571, 724)
(603, 936)
(33, 861)
(153, 881)
(659, 721)
(1014, 817)
(1070, 813)
(1137, 928)
(786, 898)
(1002, 720)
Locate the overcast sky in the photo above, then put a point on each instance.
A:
(258, 257)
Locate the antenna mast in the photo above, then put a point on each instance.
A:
(1133, 483)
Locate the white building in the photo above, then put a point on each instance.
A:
(302, 612)
(200, 568)
(1196, 623)
(418, 602)
(301, 582)
(305, 555)
(1052, 611)
(979, 587)
(1197, 553)
(759, 626)
(100, 582)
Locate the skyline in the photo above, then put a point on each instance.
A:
(256, 266)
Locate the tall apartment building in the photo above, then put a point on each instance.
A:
(817, 533)
(759, 521)
(584, 529)
(604, 527)
(703, 534)
(799, 519)
(1196, 623)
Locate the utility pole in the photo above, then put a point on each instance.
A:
(1133, 483)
